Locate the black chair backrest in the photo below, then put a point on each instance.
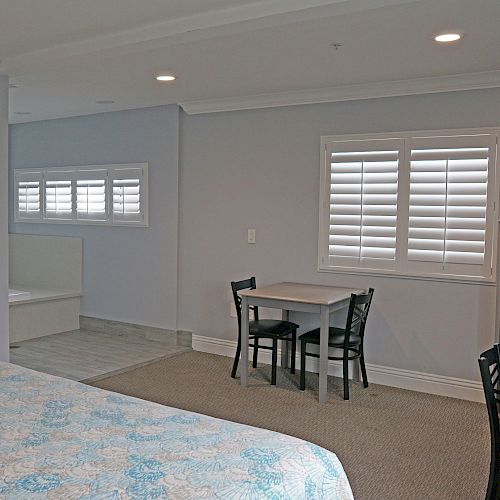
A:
(357, 314)
(236, 286)
(489, 365)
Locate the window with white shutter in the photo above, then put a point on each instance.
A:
(362, 202)
(91, 196)
(421, 204)
(28, 198)
(450, 209)
(128, 194)
(59, 194)
(104, 195)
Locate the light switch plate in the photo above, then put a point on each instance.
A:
(251, 236)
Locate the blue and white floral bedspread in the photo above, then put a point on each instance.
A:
(62, 439)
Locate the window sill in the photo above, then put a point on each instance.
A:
(467, 280)
(82, 222)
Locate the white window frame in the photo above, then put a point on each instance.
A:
(81, 172)
(401, 268)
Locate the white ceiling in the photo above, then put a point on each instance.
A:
(70, 53)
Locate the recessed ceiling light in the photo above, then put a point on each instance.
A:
(105, 101)
(165, 78)
(22, 112)
(448, 37)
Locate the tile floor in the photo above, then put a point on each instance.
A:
(86, 355)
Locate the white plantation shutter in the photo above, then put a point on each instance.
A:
(420, 204)
(95, 194)
(59, 194)
(363, 202)
(91, 188)
(451, 202)
(28, 195)
(127, 194)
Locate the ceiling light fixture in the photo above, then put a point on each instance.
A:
(13, 86)
(22, 112)
(165, 78)
(448, 37)
(105, 101)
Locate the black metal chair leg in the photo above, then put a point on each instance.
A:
(302, 366)
(274, 362)
(363, 369)
(294, 351)
(345, 374)
(236, 359)
(255, 352)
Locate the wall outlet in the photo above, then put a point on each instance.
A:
(251, 236)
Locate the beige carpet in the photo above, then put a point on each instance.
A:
(394, 444)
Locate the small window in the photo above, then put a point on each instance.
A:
(127, 195)
(91, 202)
(418, 205)
(104, 195)
(58, 194)
(28, 193)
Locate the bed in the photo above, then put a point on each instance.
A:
(63, 439)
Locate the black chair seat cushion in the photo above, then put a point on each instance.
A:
(271, 328)
(336, 337)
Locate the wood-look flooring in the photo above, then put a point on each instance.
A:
(86, 355)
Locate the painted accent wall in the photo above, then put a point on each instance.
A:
(130, 274)
(260, 169)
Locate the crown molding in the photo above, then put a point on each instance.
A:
(355, 92)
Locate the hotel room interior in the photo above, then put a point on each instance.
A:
(249, 249)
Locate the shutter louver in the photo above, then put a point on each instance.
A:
(59, 195)
(363, 202)
(127, 193)
(448, 206)
(91, 195)
(28, 193)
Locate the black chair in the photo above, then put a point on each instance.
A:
(350, 339)
(262, 329)
(489, 364)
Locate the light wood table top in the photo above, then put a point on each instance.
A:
(302, 292)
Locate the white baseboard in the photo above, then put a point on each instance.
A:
(383, 375)
(426, 382)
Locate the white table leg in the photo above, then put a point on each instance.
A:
(285, 314)
(244, 341)
(323, 353)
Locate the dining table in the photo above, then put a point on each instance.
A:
(302, 297)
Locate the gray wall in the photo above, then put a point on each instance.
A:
(4, 237)
(260, 169)
(254, 169)
(130, 274)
